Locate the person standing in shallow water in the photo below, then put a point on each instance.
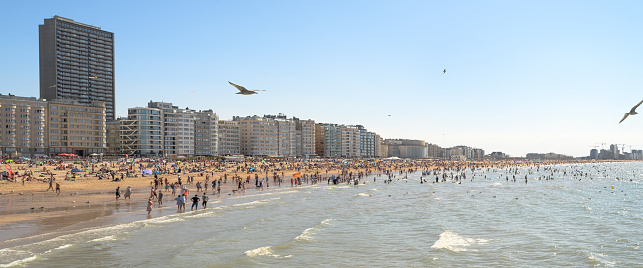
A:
(118, 192)
(149, 206)
(195, 202)
(204, 201)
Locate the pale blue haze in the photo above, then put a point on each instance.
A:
(522, 76)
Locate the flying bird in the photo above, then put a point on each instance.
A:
(632, 112)
(445, 71)
(243, 90)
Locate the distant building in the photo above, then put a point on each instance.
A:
(77, 128)
(615, 151)
(305, 137)
(276, 135)
(206, 137)
(24, 126)
(141, 133)
(593, 154)
(77, 62)
(435, 151)
(404, 148)
(178, 129)
(229, 138)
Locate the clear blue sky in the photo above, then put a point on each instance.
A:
(522, 76)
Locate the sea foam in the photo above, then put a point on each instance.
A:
(454, 242)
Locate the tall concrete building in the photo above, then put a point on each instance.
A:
(229, 138)
(206, 129)
(77, 62)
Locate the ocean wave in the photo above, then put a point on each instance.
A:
(264, 251)
(363, 194)
(16, 255)
(454, 242)
(602, 259)
(20, 262)
(307, 235)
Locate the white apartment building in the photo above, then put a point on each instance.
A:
(206, 129)
(229, 138)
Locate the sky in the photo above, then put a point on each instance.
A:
(522, 76)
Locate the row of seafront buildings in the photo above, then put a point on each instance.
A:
(164, 130)
(75, 114)
(39, 127)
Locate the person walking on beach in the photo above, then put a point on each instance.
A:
(149, 206)
(204, 202)
(118, 192)
(57, 188)
(51, 182)
(128, 193)
(195, 202)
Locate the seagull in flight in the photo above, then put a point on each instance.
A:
(445, 71)
(244, 91)
(632, 112)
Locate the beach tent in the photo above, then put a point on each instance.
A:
(147, 171)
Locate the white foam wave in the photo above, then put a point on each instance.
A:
(19, 262)
(307, 235)
(257, 202)
(454, 242)
(264, 251)
(602, 259)
(327, 221)
(363, 194)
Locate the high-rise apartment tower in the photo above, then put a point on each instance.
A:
(76, 62)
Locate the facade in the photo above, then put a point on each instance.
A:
(141, 133)
(332, 140)
(76, 62)
(76, 128)
(206, 129)
(615, 151)
(328, 140)
(229, 138)
(435, 151)
(368, 141)
(35, 127)
(404, 148)
(258, 136)
(23, 128)
(305, 136)
(178, 129)
(350, 141)
(113, 137)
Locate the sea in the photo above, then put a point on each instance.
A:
(572, 215)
